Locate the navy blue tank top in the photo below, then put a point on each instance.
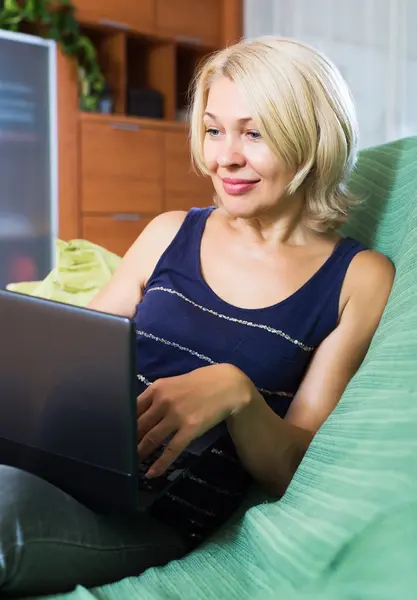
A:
(183, 325)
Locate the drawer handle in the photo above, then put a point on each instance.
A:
(126, 217)
(115, 24)
(187, 39)
(125, 126)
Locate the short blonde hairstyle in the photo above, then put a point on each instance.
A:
(304, 111)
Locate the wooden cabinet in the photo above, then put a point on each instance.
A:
(116, 172)
(136, 14)
(121, 167)
(193, 21)
(102, 11)
(183, 187)
(141, 15)
(116, 232)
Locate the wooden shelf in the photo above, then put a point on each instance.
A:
(151, 65)
(148, 123)
(131, 32)
(140, 63)
(118, 15)
(187, 61)
(197, 22)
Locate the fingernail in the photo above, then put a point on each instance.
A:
(149, 474)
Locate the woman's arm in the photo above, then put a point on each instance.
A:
(271, 448)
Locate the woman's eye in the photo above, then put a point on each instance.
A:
(212, 131)
(254, 135)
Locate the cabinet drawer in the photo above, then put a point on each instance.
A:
(138, 14)
(183, 187)
(121, 168)
(195, 21)
(115, 232)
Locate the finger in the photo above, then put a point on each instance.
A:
(154, 439)
(144, 401)
(149, 419)
(173, 449)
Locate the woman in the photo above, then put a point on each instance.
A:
(253, 314)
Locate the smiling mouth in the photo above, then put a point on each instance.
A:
(236, 187)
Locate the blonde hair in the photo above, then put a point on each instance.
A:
(304, 111)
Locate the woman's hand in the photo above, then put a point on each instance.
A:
(187, 406)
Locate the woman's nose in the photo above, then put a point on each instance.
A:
(230, 155)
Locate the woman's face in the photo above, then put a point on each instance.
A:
(248, 177)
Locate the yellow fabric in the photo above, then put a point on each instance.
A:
(82, 269)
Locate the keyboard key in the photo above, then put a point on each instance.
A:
(152, 485)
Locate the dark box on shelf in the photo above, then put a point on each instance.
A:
(145, 103)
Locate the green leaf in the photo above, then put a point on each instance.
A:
(86, 46)
(10, 14)
(67, 24)
(53, 33)
(41, 8)
(10, 19)
(69, 47)
(46, 18)
(12, 5)
(30, 10)
(98, 86)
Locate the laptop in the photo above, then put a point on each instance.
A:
(68, 391)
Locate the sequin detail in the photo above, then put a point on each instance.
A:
(233, 319)
(143, 379)
(155, 338)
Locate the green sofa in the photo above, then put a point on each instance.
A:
(347, 526)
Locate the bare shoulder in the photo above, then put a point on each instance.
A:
(158, 234)
(372, 269)
(369, 280)
(164, 227)
(124, 291)
(155, 239)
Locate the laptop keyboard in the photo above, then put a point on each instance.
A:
(174, 471)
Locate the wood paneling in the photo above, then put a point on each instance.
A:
(193, 21)
(231, 21)
(122, 14)
(183, 188)
(68, 148)
(141, 15)
(161, 75)
(112, 55)
(121, 167)
(114, 232)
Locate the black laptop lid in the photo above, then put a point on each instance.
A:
(67, 382)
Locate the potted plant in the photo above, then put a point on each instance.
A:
(55, 19)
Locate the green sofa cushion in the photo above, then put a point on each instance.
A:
(346, 528)
(82, 269)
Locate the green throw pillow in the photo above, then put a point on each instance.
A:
(82, 269)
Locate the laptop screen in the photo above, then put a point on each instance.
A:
(67, 382)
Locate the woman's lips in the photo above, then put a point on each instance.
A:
(234, 187)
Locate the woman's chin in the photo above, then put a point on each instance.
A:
(239, 207)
